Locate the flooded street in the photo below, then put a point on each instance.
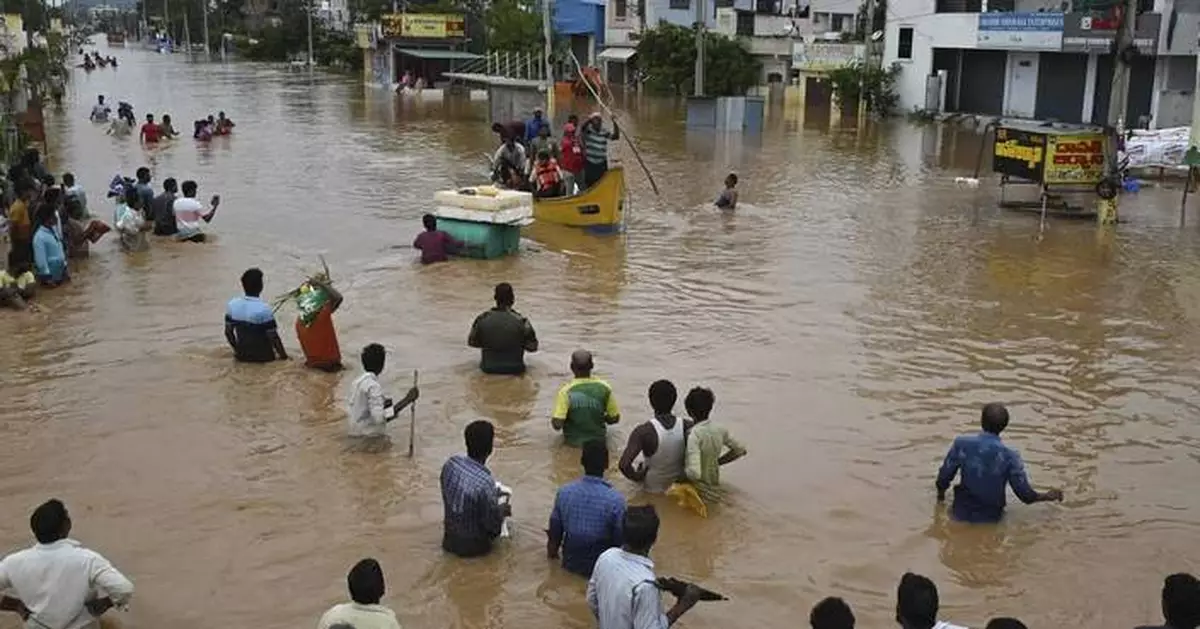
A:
(851, 317)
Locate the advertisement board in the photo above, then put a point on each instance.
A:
(814, 57)
(1020, 154)
(422, 25)
(1024, 31)
(1094, 32)
(1074, 159)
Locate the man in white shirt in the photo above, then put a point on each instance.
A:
(190, 214)
(622, 593)
(917, 604)
(369, 411)
(58, 583)
(364, 612)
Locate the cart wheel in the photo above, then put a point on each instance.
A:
(1107, 189)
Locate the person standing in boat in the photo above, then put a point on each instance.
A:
(595, 147)
(572, 157)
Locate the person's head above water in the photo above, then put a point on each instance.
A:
(663, 396)
(68, 179)
(699, 403)
(373, 358)
(149, 117)
(50, 522)
(543, 155)
(505, 298)
(731, 180)
(221, 115)
(189, 189)
(252, 282)
(537, 113)
(994, 418)
(831, 613)
(430, 222)
(166, 118)
(916, 602)
(1181, 601)
(100, 99)
(593, 457)
(544, 131)
(132, 198)
(170, 185)
(640, 529)
(581, 363)
(143, 175)
(365, 582)
(480, 437)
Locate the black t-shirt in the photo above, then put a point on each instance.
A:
(162, 208)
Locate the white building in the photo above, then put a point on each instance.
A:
(1045, 59)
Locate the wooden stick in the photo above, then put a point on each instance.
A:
(412, 423)
(628, 137)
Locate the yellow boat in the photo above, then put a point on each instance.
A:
(599, 208)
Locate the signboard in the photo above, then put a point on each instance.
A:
(1075, 159)
(1028, 31)
(422, 25)
(1019, 154)
(814, 57)
(1095, 32)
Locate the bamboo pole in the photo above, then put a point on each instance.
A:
(628, 136)
(412, 423)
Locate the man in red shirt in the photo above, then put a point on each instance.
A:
(150, 131)
(435, 245)
(572, 155)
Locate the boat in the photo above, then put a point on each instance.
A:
(600, 208)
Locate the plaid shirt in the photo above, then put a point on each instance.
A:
(473, 513)
(586, 520)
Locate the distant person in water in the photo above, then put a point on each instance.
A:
(369, 411)
(100, 111)
(224, 126)
(250, 326)
(434, 244)
(503, 335)
(988, 466)
(729, 196)
(166, 129)
(150, 131)
(366, 586)
(191, 216)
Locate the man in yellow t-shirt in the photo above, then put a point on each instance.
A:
(20, 223)
(585, 406)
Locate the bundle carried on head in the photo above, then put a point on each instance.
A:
(310, 296)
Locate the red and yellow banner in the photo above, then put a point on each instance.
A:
(423, 25)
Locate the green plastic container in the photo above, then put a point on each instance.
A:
(484, 240)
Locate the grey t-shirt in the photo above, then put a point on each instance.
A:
(163, 211)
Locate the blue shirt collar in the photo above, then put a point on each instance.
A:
(987, 435)
(595, 480)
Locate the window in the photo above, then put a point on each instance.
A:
(837, 23)
(621, 9)
(745, 24)
(766, 6)
(681, 4)
(904, 46)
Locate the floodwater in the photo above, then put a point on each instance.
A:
(852, 317)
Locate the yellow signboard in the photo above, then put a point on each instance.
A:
(1077, 159)
(423, 25)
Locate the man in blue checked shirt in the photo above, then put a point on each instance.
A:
(588, 514)
(473, 514)
(987, 466)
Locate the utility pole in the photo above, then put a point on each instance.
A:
(187, 34)
(547, 50)
(699, 88)
(167, 19)
(868, 62)
(207, 50)
(310, 43)
(1118, 99)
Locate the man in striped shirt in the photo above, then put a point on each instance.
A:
(595, 149)
(471, 500)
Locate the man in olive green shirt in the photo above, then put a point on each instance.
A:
(709, 446)
(503, 336)
(585, 406)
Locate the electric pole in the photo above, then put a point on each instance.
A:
(548, 49)
(700, 23)
(310, 43)
(869, 40)
(1118, 100)
(207, 52)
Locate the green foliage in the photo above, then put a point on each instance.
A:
(667, 57)
(847, 83)
(512, 28)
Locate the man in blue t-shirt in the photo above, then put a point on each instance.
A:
(987, 466)
(250, 324)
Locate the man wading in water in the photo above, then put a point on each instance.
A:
(503, 336)
(660, 441)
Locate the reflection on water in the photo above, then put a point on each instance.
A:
(851, 316)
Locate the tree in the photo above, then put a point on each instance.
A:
(860, 23)
(880, 83)
(512, 28)
(667, 54)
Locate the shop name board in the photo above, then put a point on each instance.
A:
(1029, 31)
(1019, 154)
(1075, 159)
(1088, 32)
(422, 25)
(814, 57)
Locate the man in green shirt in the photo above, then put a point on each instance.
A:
(709, 446)
(585, 406)
(503, 335)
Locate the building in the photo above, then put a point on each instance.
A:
(424, 45)
(582, 23)
(1044, 59)
(335, 14)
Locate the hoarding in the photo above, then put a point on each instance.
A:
(1094, 32)
(1021, 31)
(422, 25)
(813, 57)
(1020, 154)
(1075, 159)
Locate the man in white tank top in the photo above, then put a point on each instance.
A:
(659, 441)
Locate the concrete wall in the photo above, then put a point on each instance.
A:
(506, 104)
(949, 30)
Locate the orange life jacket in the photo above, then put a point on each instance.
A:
(547, 174)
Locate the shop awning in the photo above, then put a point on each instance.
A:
(440, 55)
(617, 54)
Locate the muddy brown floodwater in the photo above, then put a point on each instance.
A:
(851, 317)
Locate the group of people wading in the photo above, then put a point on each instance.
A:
(530, 159)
